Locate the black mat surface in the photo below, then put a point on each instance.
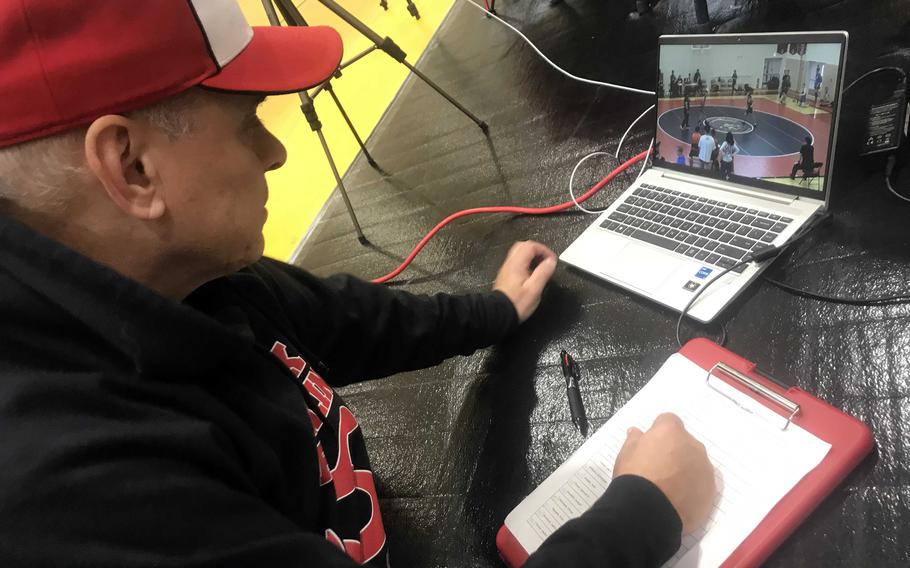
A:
(457, 446)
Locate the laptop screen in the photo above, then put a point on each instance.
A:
(756, 109)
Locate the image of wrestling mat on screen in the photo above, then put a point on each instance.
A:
(768, 108)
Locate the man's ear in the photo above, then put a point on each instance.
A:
(116, 153)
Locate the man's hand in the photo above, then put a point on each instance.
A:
(676, 463)
(523, 275)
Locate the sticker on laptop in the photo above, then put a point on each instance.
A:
(704, 272)
(691, 286)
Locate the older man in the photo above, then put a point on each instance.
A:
(166, 395)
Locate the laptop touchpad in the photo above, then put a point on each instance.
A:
(642, 267)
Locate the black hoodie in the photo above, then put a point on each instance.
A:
(139, 431)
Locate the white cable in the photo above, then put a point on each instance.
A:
(592, 154)
(644, 162)
(618, 148)
(572, 180)
(891, 189)
(624, 134)
(591, 82)
(547, 59)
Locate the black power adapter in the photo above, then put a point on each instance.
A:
(887, 121)
(886, 125)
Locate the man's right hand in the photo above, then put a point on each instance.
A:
(668, 456)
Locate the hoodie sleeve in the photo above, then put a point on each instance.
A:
(362, 330)
(633, 525)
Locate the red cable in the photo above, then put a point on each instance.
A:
(508, 209)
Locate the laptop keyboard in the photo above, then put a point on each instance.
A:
(710, 231)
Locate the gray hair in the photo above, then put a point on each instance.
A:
(41, 175)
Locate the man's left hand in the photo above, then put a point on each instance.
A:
(523, 275)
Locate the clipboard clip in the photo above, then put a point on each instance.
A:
(755, 387)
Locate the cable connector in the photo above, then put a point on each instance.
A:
(762, 255)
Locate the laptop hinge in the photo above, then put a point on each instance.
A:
(777, 198)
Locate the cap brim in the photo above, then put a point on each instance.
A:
(281, 60)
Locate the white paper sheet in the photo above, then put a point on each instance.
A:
(756, 462)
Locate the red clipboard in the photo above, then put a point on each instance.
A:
(850, 440)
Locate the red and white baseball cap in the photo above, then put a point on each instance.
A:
(64, 63)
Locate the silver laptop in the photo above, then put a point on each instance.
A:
(746, 126)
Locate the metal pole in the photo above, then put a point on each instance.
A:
(290, 12)
(293, 17)
(344, 194)
(349, 19)
(309, 111)
(483, 125)
(270, 12)
(357, 57)
(319, 89)
(372, 162)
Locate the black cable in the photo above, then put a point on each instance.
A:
(883, 300)
(760, 256)
(878, 301)
(889, 168)
(747, 259)
(874, 71)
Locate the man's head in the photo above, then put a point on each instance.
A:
(145, 152)
(184, 178)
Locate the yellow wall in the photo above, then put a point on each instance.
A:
(298, 191)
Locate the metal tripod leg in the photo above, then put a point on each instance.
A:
(483, 125)
(309, 111)
(327, 86)
(293, 17)
(344, 194)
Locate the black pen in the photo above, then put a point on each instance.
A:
(570, 372)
